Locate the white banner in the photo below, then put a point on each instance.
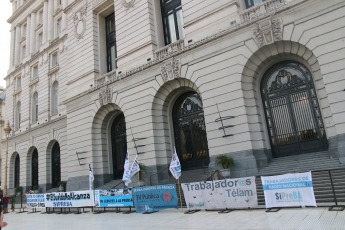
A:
(175, 166)
(135, 166)
(126, 173)
(69, 199)
(221, 194)
(288, 190)
(35, 201)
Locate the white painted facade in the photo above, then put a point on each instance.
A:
(222, 58)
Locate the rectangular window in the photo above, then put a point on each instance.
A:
(111, 42)
(35, 72)
(172, 20)
(54, 59)
(40, 39)
(19, 83)
(24, 52)
(251, 3)
(24, 30)
(58, 27)
(40, 17)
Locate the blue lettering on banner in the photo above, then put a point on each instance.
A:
(302, 184)
(155, 198)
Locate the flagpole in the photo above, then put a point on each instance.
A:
(179, 190)
(138, 179)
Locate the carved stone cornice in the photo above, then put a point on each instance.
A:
(128, 3)
(268, 32)
(105, 96)
(171, 70)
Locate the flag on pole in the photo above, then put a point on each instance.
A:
(91, 177)
(175, 166)
(126, 174)
(135, 166)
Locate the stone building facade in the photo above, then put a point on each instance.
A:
(251, 79)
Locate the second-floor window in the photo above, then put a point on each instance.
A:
(250, 3)
(19, 83)
(18, 116)
(54, 59)
(35, 108)
(172, 20)
(55, 98)
(34, 72)
(111, 42)
(58, 27)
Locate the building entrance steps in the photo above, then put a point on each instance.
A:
(300, 163)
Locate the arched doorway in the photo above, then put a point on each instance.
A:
(190, 131)
(292, 111)
(16, 171)
(34, 168)
(119, 145)
(56, 166)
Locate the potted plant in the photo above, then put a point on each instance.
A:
(62, 186)
(18, 190)
(226, 162)
(142, 174)
(36, 188)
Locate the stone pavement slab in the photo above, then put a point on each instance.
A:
(258, 219)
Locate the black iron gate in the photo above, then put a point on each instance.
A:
(119, 145)
(34, 168)
(292, 111)
(56, 166)
(190, 131)
(16, 171)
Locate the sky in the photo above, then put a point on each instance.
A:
(5, 13)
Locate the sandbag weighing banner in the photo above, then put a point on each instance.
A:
(69, 199)
(35, 201)
(221, 194)
(288, 190)
(114, 198)
(155, 198)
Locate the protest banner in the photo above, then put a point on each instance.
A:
(295, 189)
(221, 194)
(35, 201)
(114, 198)
(69, 199)
(155, 198)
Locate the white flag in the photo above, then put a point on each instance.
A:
(91, 177)
(135, 166)
(126, 173)
(175, 166)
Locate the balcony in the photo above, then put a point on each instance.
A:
(169, 49)
(262, 9)
(99, 81)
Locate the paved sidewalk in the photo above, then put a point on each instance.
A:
(289, 218)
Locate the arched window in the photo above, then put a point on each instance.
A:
(35, 107)
(119, 145)
(16, 171)
(292, 110)
(34, 168)
(55, 98)
(18, 116)
(190, 131)
(56, 166)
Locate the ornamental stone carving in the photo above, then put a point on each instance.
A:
(268, 32)
(128, 3)
(171, 70)
(80, 22)
(105, 96)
